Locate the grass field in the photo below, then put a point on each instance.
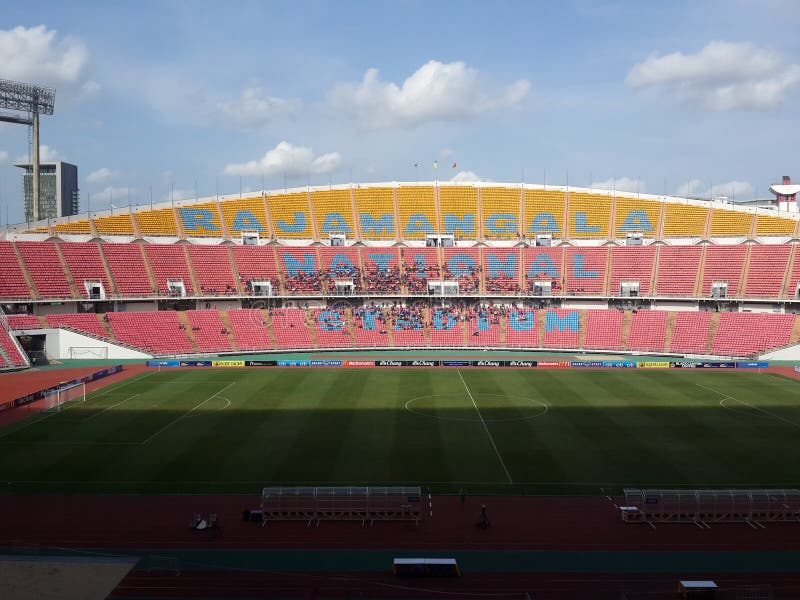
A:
(486, 430)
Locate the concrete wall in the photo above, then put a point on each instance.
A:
(59, 341)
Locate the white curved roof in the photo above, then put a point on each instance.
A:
(785, 190)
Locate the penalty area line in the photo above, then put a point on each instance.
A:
(486, 428)
(186, 414)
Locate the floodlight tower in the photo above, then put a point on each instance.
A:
(34, 100)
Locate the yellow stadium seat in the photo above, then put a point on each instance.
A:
(632, 214)
(730, 222)
(156, 222)
(333, 212)
(74, 227)
(597, 211)
(543, 208)
(115, 224)
(459, 201)
(769, 225)
(501, 201)
(245, 214)
(372, 205)
(290, 215)
(419, 201)
(684, 220)
(200, 220)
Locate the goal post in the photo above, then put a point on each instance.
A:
(63, 394)
(90, 352)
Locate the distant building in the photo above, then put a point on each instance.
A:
(58, 190)
(786, 194)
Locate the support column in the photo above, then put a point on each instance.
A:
(35, 170)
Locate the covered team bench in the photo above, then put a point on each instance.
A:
(710, 506)
(347, 503)
(425, 567)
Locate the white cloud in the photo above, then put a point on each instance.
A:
(100, 175)
(621, 184)
(435, 92)
(446, 153)
(109, 194)
(46, 155)
(3, 156)
(38, 55)
(289, 159)
(466, 176)
(731, 190)
(722, 76)
(255, 108)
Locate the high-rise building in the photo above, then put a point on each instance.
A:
(58, 190)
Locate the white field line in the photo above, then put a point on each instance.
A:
(114, 387)
(747, 404)
(186, 414)
(491, 439)
(97, 414)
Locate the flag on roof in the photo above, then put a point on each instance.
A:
(454, 165)
(436, 164)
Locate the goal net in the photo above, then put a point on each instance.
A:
(88, 352)
(63, 394)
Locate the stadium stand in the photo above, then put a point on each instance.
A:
(462, 265)
(522, 329)
(500, 270)
(340, 263)
(301, 270)
(543, 264)
(87, 322)
(483, 327)
(212, 267)
(744, 334)
(417, 211)
(246, 214)
(156, 222)
(86, 266)
(420, 265)
(604, 329)
(291, 330)
(12, 279)
(289, 215)
(561, 328)
(677, 270)
(684, 220)
(408, 327)
(730, 223)
(168, 263)
(458, 206)
(690, 333)
(331, 328)
(158, 332)
(250, 329)
(369, 328)
(767, 270)
(128, 269)
(381, 270)
(10, 356)
(445, 327)
(544, 212)
(333, 211)
(590, 215)
(634, 215)
(375, 207)
(209, 333)
(44, 265)
(648, 331)
(586, 269)
(119, 224)
(502, 201)
(201, 220)
(256, 263)
(18, 322)
(632, 264)
(770, 225)
(724, 264)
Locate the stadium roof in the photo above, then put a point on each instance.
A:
(785, 189)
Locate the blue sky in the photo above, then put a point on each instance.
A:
(160, 95)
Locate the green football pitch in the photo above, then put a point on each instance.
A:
(498, 431)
